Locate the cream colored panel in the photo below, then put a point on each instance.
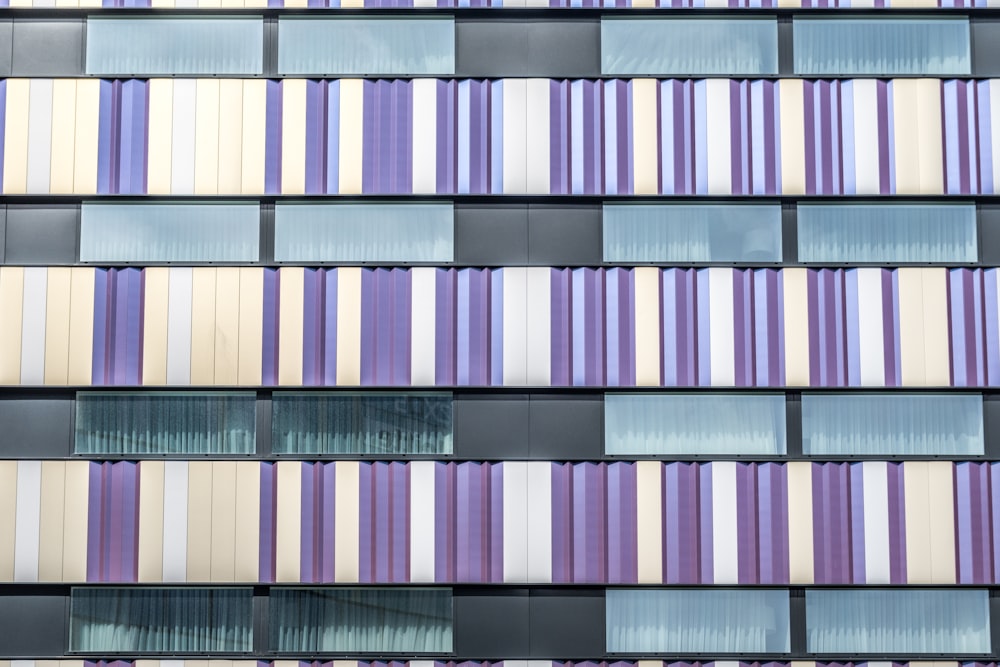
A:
(351, 133)
(81, 326)
(88, 110)
(247, 536)
(796, 319)
(937, 354)
(203, 326)
(912, 345)
(346, 522)
(75, 516)
(931, 176)
(348, 326)
(11, 300)
(15, 149)
(289, 521)
(800, 523)
(906, 137)
(916, 494)
(154, 333)
(292, 286)
(293, 136)
(223, 521)
(206, 138)
(231, 132)
(647, 326)
(51, 521)
(161, 114)
(8, 514)
(251, 325)
(199, 521)
(793, 133)
(57, 325)
(63, 136)
(645, 145)
(227, 325)
(254, 133)
(649, 521)
(151, 521)
(941, 519)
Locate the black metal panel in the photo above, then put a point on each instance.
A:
(797, 620)
(6, 46)
(567, 623)
(565, 235)
(492, 426)
(565, 48)
(567, 427)
(991, 425)
(47, 47)
(989, 239)
(789, 234)
(985, 47)
(528, 48)
(491, 623)
(786, 54)
(491, 47)
(793, 424)
(34, 623)
(37, 427)
(44, 234)
(491, 235)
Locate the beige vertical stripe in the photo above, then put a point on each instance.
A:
(161, 117)
(796, 318)
(800, 523)
(57, 321)
(199, 527)
(231, 134)
(154, 341)
(251, 326)
(645, 142)
(941, 519)
(347, 540)
(8, 513)
(793, 133)
(254, 133)
(647, 326)
(937, 354)
(906, 138)
(247, 535)
(151, 521)
(292, 284)
(75, 516)
(649, 521)
(227, 325)
(15, 150)
(206, 137)
(224, 521)
(911, 327)
(916, 500)
(62, 163)
(203, 325)
(348, 326)
(81, 326)
(88, 111)
(11, 299)
(931, 177)
(293, 136)
(51, 521)
(351, 132)
(289, 521)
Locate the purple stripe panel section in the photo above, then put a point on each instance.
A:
(588, 326)
(318, 512)
(974, 523)
(113, 522)
(468, 327)
(272, 137)
(386, 306)
(269, 334)
(267, 555)
(384, 536)
(469, 133)
(319, 348)
(468, 539)
(387, 137)
(968, 316)
(118, 327)
(123, 137)
(686, 499)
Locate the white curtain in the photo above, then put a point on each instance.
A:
(323, 45)
(361, 620)
(393, 424)
(175, 45)
(701, 620)
(887, 233)
(166, 423)
(410, 232)
(213, 232)
(158, 620)
(909, 621)
(838, 46)
(892, 424)
(702, 423)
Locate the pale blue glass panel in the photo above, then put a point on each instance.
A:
(892, 424)
(175, 45)
(897, 45)
(349, 423)
(361, 620)
(702, 423)
(161, 620)
(170, 232)
(692, 233)
(887, 233)
(682, 46)
(348, 46)
(704, 620)
(911, 621)
(166, 423)
(377, 232)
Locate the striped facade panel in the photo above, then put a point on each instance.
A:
(471, 136)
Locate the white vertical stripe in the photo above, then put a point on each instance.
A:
(515, 521)
(27, 520)
(422, 521)
(424, 132)
(539, 522)
(515, 135)
(721, 337)
(866, 136)
(175, 512)
(539, 327)
(179, 326)
(39, 135)
(995, 131)
(876, 499)
(182, 154)
(422, 325)
(33, 325)
(724, 539)
(536, 168)
(515, 326)
(870, 333)
(720, 174)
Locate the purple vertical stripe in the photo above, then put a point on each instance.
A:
(268, 521)
(272, 137)
(269, 336)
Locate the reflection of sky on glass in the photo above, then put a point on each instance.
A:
(689, 46)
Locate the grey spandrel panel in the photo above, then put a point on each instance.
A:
(491, 47)
(492, 623)
(991, 425)
(492, 426)
(36, 427)
(989, 234)
(491, 235)
(567, 427)
(6, 47)
(565, 48)
(41, 234)
(47, 47)
(985, 47)
(564, 235)
(516, 47)
(567, 623)
(33, 624)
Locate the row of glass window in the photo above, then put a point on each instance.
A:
(632, 233)
(638, 621)
(635, 424)
(629, 46)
